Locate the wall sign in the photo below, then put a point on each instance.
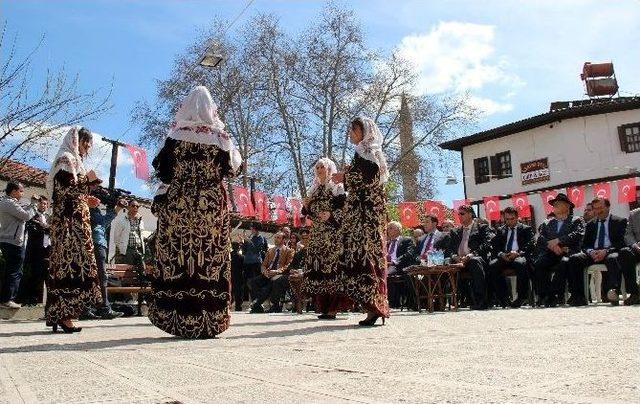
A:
(535, 171)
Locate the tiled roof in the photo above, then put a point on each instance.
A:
(561, 110)
(13, 170)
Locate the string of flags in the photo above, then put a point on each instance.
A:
(411, 213)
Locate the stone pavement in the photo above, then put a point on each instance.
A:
(527, 355)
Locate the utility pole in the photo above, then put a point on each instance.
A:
(114, 161)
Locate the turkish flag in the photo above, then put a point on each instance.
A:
(602, 190)
(243, 201)
(492, 207)
(546, 197)
(435, 208)
(296, 209)
(281, 209)
(408, 214)
(140, 164)
(262, 206)
(521, 203)
(576, 195)
(627, 190)
(456, 204)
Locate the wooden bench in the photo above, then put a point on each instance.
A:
(131, 282)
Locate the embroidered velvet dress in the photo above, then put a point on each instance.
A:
(362, 262)
(321, 278)
(72, 281)
(192, 279)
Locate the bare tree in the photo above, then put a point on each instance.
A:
(31, 121)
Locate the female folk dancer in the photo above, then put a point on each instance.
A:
(72, 282)
(192, 282)
(324, 207)
(362, 262)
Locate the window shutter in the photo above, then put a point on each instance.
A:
(624, 145)
(495, 167)
(476, 170)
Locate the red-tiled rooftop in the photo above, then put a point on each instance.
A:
(13, 170)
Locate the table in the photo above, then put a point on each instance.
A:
(427, 283)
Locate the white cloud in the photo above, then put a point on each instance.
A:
(488, 106)
(458, 57)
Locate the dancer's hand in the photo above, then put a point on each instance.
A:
(92, 201)
(338, 178)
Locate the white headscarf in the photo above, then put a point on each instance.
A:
(336, 189)
(68, 159)
(197, 121)
(370, 148)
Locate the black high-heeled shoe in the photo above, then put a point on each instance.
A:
(66, 329)
(370, 321)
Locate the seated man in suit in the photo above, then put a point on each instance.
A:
(604, 238)
(433, 239)
(559, 238)
(630, 257)
(400, 252)
(512, 248)
(275, 264)
(470, 245)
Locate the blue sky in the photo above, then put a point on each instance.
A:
(514, 57)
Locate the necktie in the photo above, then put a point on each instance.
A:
(274, 264)
(601, 235)
(512, 232)
(427, 246)
(392, 244)
(463, 248)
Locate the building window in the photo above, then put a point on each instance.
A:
(501, 165)
(481, 168)
(630, 137)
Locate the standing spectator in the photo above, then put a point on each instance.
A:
(254, 250)
(99, 224)
(630, 257)
(470, 244)
(512, 247)
(603, 239)
(286, 231)
(37, 252)
(126, 245)
(13, 219)
(558, 239)
(237, 278)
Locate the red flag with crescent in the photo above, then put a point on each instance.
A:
(435, 208)
(602, 190)
(262, 206)
(521, 203)
(492, 207)
(243, 201)
(456, 204)
(627, 190)
(281, 209)
(408, 214)
(296, 210)
(546, 197)
(140, 165)
(576, 195)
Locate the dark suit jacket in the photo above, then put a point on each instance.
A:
(34, 249)
(524, 237)
(617, 229)
(479, 240)
(404, 252)
(571, 234)
(440, 242)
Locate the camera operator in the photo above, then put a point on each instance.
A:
(100, 222)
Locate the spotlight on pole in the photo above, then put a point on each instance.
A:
(212, 56)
